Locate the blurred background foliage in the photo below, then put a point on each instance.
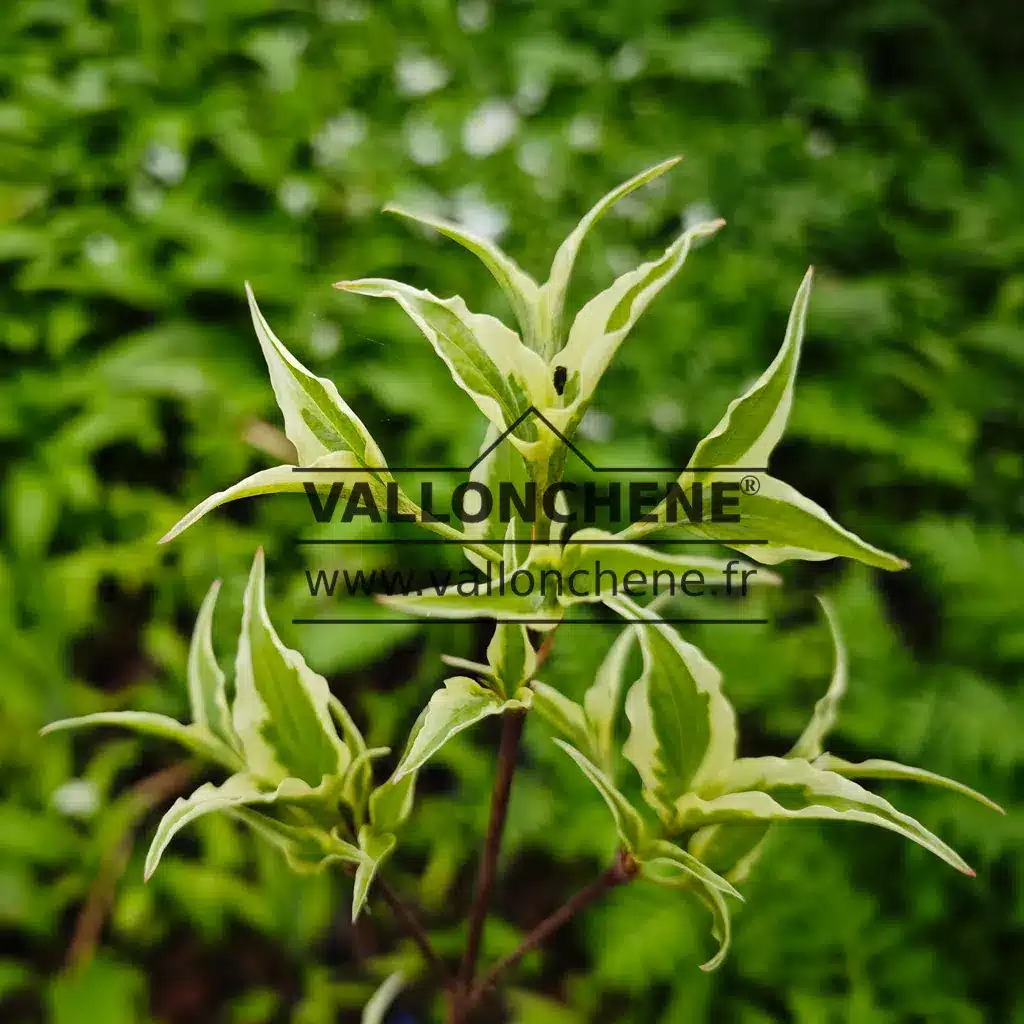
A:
(154, 155)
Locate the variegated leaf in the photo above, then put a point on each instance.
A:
(686, 862)
(670, 872)
(278, 480)
(501, 466)
(893, 770)
(812, 741)
(520, 289)
(683, 729)
(603, 323)
(359, 778)
(282, 709)
(358, 784)
(485, 358)
(780, 789)
(376, 848)
(376, 1010)
(721, 925)
(628, 823)
(511, 656)
(207, 686)
(730, 849)
(551, 299)
(316, 419)
(308, 850)
(775, 524)
(753, 423)
(688, 575)
(460, 703)
(193, 738)
(565, 716)
(458, 601)
(391, 803)
(601, 701)
(240, 790)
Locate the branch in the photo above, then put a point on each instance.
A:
(623, 870)
(416, 931)
(512, 730)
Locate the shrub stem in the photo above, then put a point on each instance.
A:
(622, 870)
(412, 924)
(512, 731)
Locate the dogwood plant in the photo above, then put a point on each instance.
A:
(299, 771)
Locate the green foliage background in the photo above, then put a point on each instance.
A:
(154, 155)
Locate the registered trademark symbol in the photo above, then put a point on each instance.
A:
(750, 485)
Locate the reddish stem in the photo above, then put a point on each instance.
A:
(512, 731)
(623, 870)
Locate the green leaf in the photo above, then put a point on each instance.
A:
(661, 572)
(316, 418)
(753, 424)
(207, 687)
(879, 769)
(493, 599)
(603, 323)
(628, 822)
(238, 791)
(671, 872)
(375, 1011)
(511, 656)
(391, 803)
(194, 738)
(565, 716)
(732, 850)
(811, 742)
(601, 701)
(520, 289)
(358, 784)
(782, 789)
(502, 466)
(686, 862)
(780, 524)
(551, 299)
(277, 480)
(308, 850)
(462, 702)
(282, 707)
(683, 729)
(721, 925)
(359, 778)
(485, 358)
(376, 848)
